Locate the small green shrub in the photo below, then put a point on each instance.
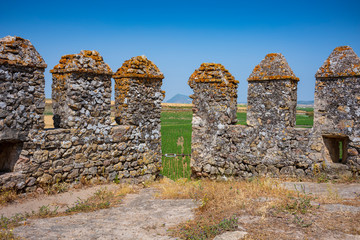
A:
(209, 231)
(301, 203)
(45, 211)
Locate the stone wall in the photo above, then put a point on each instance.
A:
(81, 91)
(337, 107)
(214, 99)
(272, 93)
(84, 146)
(22, 83)
(270, 145)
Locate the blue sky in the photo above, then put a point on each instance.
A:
(180, 35)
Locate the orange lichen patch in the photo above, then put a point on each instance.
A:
(19, 51)
(86, 61)
(139, 67)
(273, 67)
(212, 73)
(342, 62)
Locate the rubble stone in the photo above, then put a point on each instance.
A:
(270, 145)
(84, 144)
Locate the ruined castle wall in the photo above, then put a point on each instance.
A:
(85, 146)
(272, 103)
(337, 109)
(214, 99)
(138, 98)
(81, 91)
(272, 93)
(72, 155)
(270, 145)
(22, 99)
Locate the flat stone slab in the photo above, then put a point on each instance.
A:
(351, 190)
(140, 217)
(341, 208)
(235, 235)
(61, 200)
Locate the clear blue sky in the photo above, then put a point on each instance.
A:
(180, 35)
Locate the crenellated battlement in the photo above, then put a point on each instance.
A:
(85, 145)
(81, 91)
(270, 145)
(272, 93)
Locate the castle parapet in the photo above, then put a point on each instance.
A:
(215, 96)
(22, 97)
(81, 91)
(214, 110)
(337, 106)
(138, 93)
(22, 83)
(272, 93)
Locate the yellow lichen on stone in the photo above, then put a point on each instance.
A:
(19, 51)
(342, 62)
(273, 67)
(139, 67)
(86, 61)
(213, 73)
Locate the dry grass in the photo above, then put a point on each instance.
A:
(7, 197)
(186, 105)
(125, 189)
(221, 201)
(275, 211)
(212, 194)
(103, 198)
(49, 123)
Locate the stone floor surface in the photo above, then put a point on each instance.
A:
(142, 216)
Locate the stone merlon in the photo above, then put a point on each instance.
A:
(273, 67)
(342, 62)
(86, 61)
(20, 52)
(212, 73)
(139, 67)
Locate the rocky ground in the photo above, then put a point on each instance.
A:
(143, 216)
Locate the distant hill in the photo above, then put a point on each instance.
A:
(306, 102)
(179, 98)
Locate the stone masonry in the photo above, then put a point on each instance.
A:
(22, 86)
(337, 107)
(215, 100)
(84, 146)
(22, 99)
(81, 91)
(138, 98)
(270, 145)
(272, 93)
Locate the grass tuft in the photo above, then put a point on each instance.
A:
(221, 202)
(7, 196)
(301, 203)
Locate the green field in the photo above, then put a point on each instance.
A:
(176, 138)
(305, 121)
